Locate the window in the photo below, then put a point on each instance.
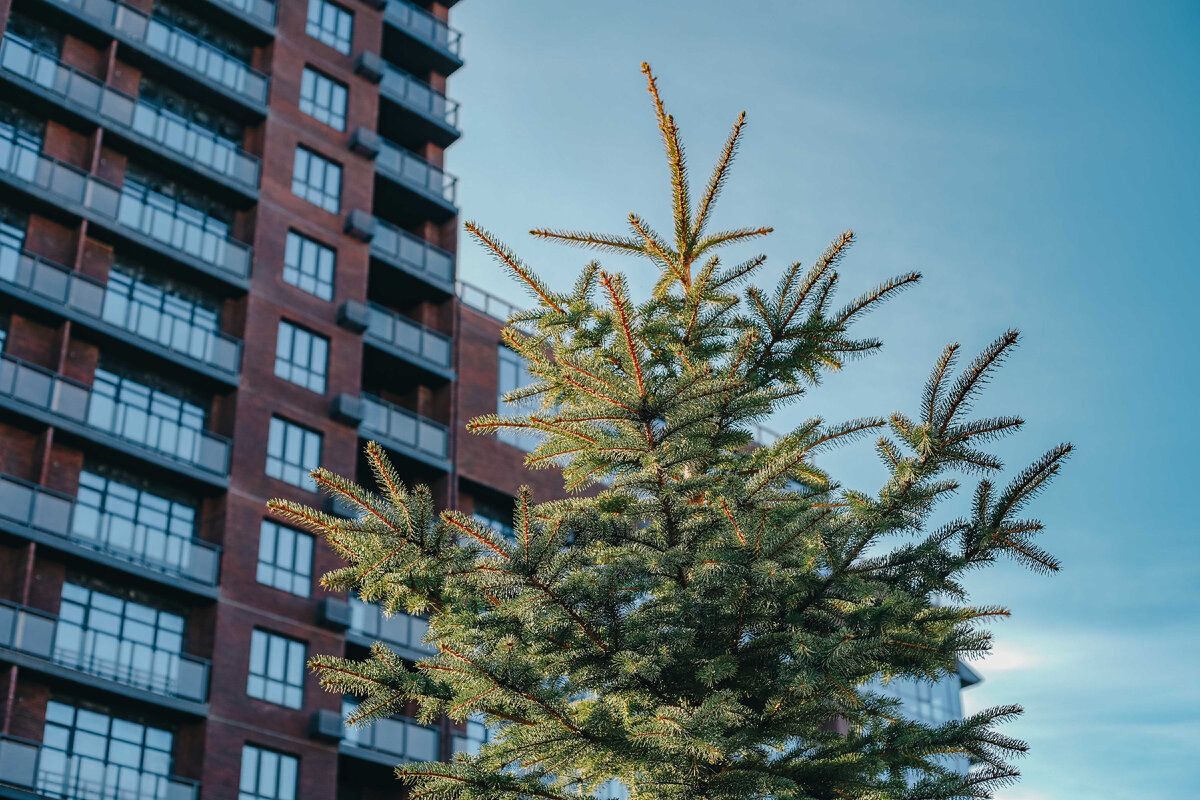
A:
(19, 150)
(397, 736)
(149, 417)
(120, 518)
(292, 452)
(119, 639)
(301, 356)
(308, 265)
(276, 669)
(494, 516)
(267, 775)
(317, 180)
(330, 24)
(476, 736)
(284, 558)
(12, 239)
(83, 748)
(177, 224)
(323, 99)
(160, 316)
(514, 374)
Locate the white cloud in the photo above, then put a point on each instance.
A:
(1007, 656)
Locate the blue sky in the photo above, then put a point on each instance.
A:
(1038, 162)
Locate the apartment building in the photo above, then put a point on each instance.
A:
(226, 256)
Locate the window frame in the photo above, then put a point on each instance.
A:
(321, 287)
(259, 685)
(327, 114)
(285, 426)
(258, 753)
(304, 161)
(331, 36)
(299, 341)
(291, 574)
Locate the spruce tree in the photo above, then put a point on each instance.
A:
(703, 617)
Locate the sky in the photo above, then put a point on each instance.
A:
(1038, 163)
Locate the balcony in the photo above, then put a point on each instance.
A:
(258, 13)
(53, 399)
(401, 632)
(415, 105)
(174, 48)
(396, 428)
(40, 641)
(427, 43)
(56, 521)
(386, 741)
(30, 770)
(429, 264)
(162, 133)
(398, 336)
(73, 295)
(170, 232)
(494, 306)
(414, 186)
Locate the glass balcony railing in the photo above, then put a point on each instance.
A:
(420, 24)
(411, 252)
(401, 333)
(401, 737)
(261, 11)
(175, 47)
(394, 425)
(53, 772)
(62, 399)
(195, 146)
(32, 277)
(177, 230)
(419, 96)
(29, 506)
(46, 638)
(482, 300)
(404, 630)
(415, 172)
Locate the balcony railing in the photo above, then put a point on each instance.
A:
(394, 425)
(412, 252)
(31, 277)
(400, 332)
(482, 300)
(52, 772)
(420, 24)
(415, 172)
(175, 47)
(417, 95)
(195, 146)
(45, 638)
(58, 516)
(404, 630)
(175, 231)
(403, 738)
(261, 11)
(61, 400)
